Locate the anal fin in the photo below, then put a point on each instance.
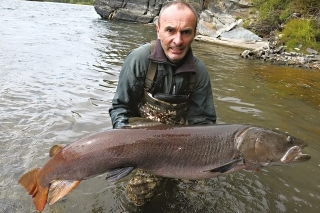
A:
(60, 188)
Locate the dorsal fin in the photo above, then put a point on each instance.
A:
(55, 149)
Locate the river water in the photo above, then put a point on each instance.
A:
(59, 65)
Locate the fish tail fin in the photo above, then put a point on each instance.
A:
(30, 182)
(60, 188)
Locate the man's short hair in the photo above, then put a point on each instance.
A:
(181, 5)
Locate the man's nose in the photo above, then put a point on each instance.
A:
(178, 40)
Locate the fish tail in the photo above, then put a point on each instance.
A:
(31, 183)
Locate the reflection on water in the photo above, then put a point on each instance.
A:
(59, 70)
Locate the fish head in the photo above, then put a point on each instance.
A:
(263, 147)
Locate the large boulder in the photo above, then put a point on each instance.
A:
(142, 11)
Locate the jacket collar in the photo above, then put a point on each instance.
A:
(188, 64)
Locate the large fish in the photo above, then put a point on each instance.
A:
(183, 152)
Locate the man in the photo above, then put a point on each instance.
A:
(164, 82)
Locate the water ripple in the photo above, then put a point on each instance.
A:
(59, 70)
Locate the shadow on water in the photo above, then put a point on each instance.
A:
(59, 69)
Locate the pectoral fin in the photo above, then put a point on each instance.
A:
(226, 167)
(117, 174)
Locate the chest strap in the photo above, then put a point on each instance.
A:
(152, 69)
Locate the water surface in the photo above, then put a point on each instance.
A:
(59, 70)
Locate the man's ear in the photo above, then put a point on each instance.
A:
(157, 30)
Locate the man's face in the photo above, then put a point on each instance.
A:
(176, 31)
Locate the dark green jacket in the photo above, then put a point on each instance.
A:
(131, 85)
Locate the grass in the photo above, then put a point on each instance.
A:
(301, 32)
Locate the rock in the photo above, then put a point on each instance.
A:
(233, 42)
(317, 58)
(242, 3)
(142, 11)
(312, 51)
(247, 54)
(279, 50)
(241, 34)
(206, 29)
(206, 16)
(227, 27)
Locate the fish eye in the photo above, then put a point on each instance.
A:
(290, 139)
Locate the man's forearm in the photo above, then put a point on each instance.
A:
(119, 117)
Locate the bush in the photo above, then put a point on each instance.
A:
(272, 13)
(306, 7)
(301, 32)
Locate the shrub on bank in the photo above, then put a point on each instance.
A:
(301, 33)
(296, 20)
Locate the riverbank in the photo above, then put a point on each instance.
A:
(236, 43)
(279, 56)
(262, 50)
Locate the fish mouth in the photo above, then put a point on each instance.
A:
(295, 155)
(301, 157)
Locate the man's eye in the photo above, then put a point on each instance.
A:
(169, 30)
(187, 32)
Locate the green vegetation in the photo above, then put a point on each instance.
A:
(296, 20)
(301, 32)
(86, 2)
(272, 13)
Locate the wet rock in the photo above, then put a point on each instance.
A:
(247, 54)
(143, 187)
